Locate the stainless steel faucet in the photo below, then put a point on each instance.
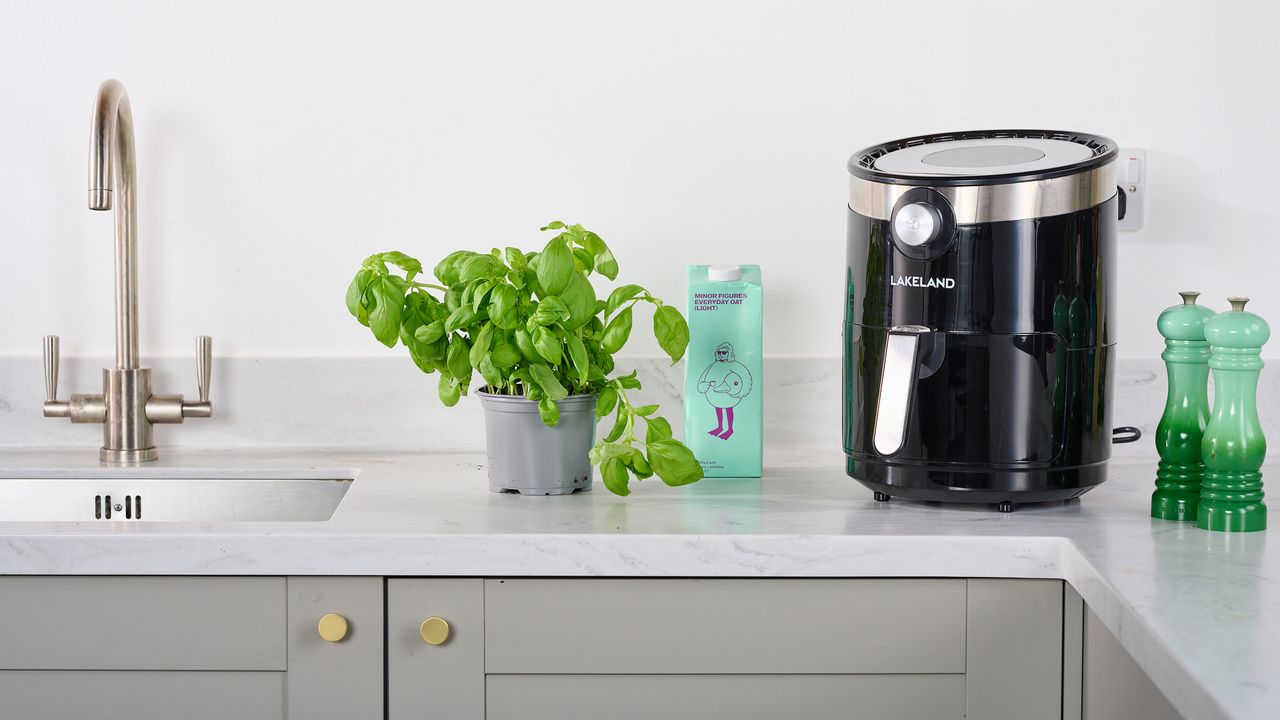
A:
(126, 407)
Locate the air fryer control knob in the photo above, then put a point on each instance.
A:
(916, 223)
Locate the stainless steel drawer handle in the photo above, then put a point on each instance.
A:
(897, 384)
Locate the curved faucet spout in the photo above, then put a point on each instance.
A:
(110, 146)
(113, 181)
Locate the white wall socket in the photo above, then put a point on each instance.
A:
(1131, 176)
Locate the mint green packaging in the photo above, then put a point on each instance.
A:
(724, 370)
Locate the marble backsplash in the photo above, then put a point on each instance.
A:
(386, 403)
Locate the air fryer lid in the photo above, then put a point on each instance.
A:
(982, 157)
(979, 177)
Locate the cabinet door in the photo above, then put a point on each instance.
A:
(726, 697)
(141, 695)
(142, 623)
(1114, 685)
(1014, 649)
(446, 680)
(676, 627)
(340, 677)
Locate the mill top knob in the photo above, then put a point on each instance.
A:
(1186, 320)
(1238, 328)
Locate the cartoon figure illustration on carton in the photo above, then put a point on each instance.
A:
(724, 383)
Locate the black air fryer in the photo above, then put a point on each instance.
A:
(979, 321)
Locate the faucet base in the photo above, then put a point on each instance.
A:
(127, 457)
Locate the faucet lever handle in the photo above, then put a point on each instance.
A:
(204, 366)
(51, 353)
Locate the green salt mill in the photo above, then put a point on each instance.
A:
(1233, 447)
(1186, 410)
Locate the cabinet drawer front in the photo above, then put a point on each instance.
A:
(667, 627)
(142, 623)
(132, 695)
(724, 697)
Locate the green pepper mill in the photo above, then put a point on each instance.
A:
(1233, 448)
(1186, 410)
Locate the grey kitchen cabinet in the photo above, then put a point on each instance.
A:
(1113, 685)
(725, 697)
(190, 647)
(1014, 652)
(337, 677)
(144, 694)
(445, 678)
(812, 648)
(530, 648)
(673, 627)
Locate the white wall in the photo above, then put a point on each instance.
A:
(281, 142)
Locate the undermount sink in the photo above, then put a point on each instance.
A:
(168, 499)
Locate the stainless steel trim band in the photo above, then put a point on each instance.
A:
(995, 203)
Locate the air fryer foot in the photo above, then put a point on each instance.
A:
(1005, 507)
(882, 497)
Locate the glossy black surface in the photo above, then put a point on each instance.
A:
(1011, 398)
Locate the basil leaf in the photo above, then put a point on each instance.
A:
(555, 266)
(606, 264)
(619, 425)
(489, 371)
(659, 429)
(671, 331)
(478, 266)
(547, 345)
(409, 265)
(615, 477)
(502, 307)
(458, 362)
(480, 345)
(517, 260)
(477, 296)
(553, 225)
(448, 390)
(430, 332)
(674, 463)
(546, 379)
(505, 355)
(453, 298)
(582, 261)
(645, 410)
(610, 450)
(525, 344)
(459, 318)
(619, 296)
(580, 302)
(616, 333)
(384, 318)
(606, 401)
(551, 310)
(578, 356)
(356, 295)
(447, 270)
(639, 465)
(549, 411)
(630, 382)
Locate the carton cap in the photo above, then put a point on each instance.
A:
(724, 273)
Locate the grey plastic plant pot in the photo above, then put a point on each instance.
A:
(526, 456)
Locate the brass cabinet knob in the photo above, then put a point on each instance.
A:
(434, 630)
(333, 627)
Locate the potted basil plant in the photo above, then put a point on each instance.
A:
(531, 326)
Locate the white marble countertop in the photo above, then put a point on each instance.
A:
(1199, 611)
